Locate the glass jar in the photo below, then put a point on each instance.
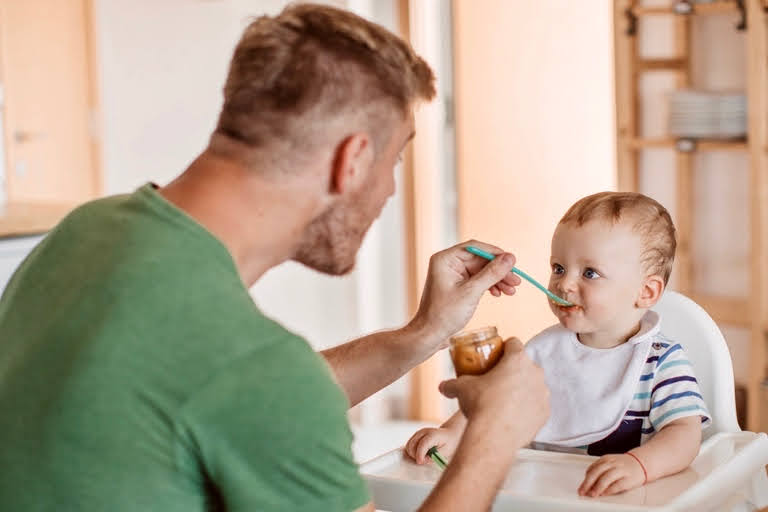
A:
(477, 351)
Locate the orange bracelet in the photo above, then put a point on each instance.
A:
(645, 473)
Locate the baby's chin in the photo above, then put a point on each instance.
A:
(572, 318)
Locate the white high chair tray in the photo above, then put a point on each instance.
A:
(726, 471)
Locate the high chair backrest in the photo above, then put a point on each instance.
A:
(685, 322)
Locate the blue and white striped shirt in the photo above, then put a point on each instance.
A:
(667, 391)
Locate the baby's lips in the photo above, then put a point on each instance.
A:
(573, 304)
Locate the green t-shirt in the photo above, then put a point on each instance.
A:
(136, 373)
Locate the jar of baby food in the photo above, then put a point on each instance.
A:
(477, 351)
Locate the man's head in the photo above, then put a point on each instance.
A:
(612, 254)
(318, 89)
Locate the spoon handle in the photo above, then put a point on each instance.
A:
(488, 256)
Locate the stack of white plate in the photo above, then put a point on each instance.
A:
(700, 114)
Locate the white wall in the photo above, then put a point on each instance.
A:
(161, 67)
(535, 132)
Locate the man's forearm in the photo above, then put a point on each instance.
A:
(477, 470)
(366, 365)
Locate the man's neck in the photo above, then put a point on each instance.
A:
(261, 222)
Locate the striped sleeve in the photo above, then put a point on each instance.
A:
(675, 392)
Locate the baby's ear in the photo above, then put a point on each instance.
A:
(650, 293)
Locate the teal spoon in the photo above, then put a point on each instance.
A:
(552, 296)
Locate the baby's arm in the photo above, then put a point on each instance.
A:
(671, 450)
(446, 438)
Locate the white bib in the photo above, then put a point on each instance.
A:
(590, 389)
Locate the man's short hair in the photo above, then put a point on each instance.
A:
(647, 217)
(292, 73)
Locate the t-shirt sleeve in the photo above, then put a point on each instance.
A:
(675, 393)
(271, 433)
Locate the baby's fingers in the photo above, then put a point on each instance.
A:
(413, 442)
(593, 473)
(606, 480)
(426, 442)
(620, 485)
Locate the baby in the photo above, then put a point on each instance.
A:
(619, 388)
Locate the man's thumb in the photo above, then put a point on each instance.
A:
(493, 272)
(449, 388)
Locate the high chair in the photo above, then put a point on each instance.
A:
(686, 323)
(727, 475)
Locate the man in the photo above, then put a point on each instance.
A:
(137, 374)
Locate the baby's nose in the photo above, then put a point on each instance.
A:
(569, 283)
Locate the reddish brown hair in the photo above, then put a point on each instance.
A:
(292, 73)
(647, 216)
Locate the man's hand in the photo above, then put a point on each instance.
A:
(456, 280)
(513, 394)
(504, 409)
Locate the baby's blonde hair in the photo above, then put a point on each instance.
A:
(651, 220)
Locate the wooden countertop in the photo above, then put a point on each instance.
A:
(20, 219)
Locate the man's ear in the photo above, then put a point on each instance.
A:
(650, 293)
(351, 162)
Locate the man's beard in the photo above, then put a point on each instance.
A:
(332, 240)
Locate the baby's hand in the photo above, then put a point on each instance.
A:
(612, 474)
(419, 444)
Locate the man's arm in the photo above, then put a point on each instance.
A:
(504, 410)
(456, 280)
(476, 472)
(368, 364)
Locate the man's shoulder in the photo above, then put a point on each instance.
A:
(282, 377)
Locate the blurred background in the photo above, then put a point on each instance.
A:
(539, 104)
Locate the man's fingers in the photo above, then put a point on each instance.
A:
(449, 388)
(512, 280)
(513, 345)
(480, 245)
(493, 272)
(513, 351)
(505, 288)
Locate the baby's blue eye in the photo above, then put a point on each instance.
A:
(557, 269)
(591, 274)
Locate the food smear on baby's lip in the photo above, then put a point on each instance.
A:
(572, 307)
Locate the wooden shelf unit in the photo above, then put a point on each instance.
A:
(716, 7)
(701, 145)
(749, 312)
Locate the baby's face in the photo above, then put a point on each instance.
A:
(597, 267)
